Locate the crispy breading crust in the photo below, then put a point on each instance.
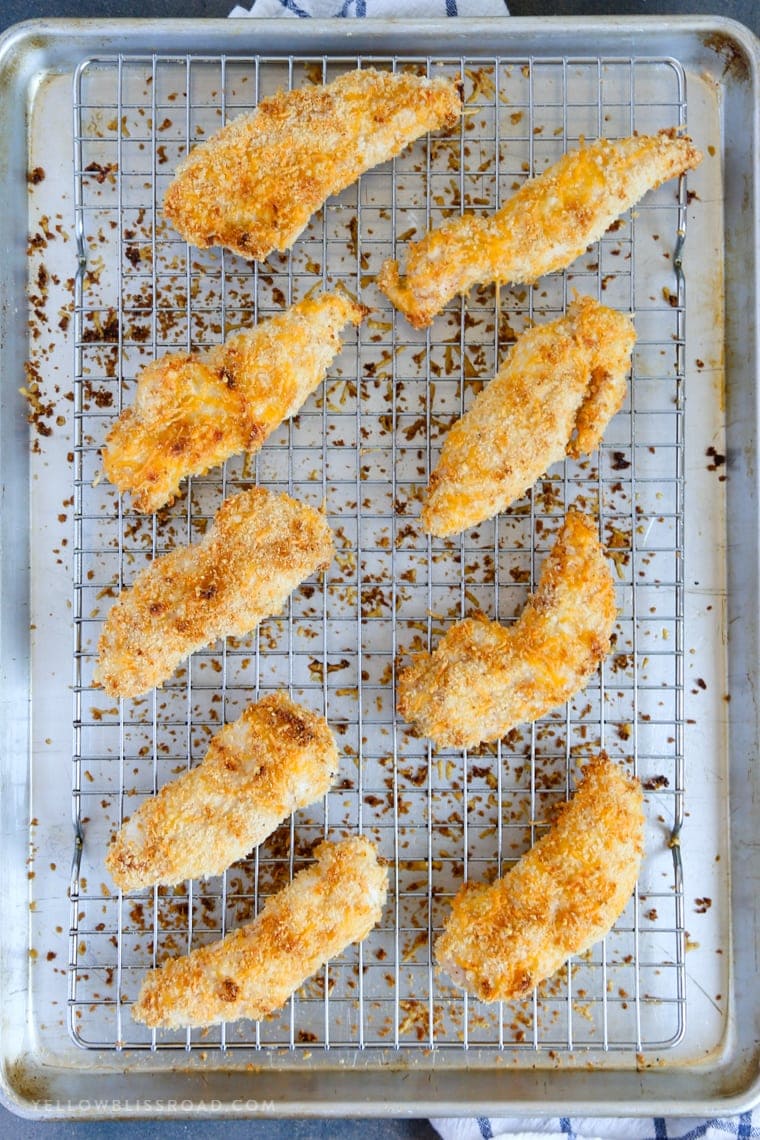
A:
(558, 388)
(254, 970)
(547, 224)
(277, 757)
(253, 186)
(194, 410)
(484, 678)
(501, 940)
(259, 548)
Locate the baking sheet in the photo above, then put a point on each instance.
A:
(368, 1022)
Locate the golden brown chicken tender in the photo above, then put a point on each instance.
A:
(254, 970)
(558, 388)
(547, 224)
(259, 548)
(253, 186)
(483, 678)
(501, 940)
(276, 758)
(194, 410)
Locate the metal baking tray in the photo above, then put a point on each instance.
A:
(663, 1015)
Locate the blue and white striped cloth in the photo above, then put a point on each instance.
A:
(378, 8)
(744, 1127)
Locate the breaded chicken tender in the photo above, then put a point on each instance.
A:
(277, 757)
(259, 548)
(253, 186)
(484, 678)
(547, 224)
(557, 390)
(501, 940)
(254, 970)
(194, 410)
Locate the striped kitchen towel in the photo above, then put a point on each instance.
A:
(744, 1127)
(383, 9)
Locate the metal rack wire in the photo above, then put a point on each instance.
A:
(364, 446)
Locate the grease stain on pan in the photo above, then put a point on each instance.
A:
(736, 66)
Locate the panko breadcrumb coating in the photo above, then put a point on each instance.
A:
(484, 678)
(259, 548)
(275, 758)
(254, 970)
(559, 387)
(253, 186)
(194, 410)
(565, 894)
(547, 224)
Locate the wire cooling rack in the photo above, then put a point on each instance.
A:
(364, 445)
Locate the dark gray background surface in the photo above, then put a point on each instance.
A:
(12, 11)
